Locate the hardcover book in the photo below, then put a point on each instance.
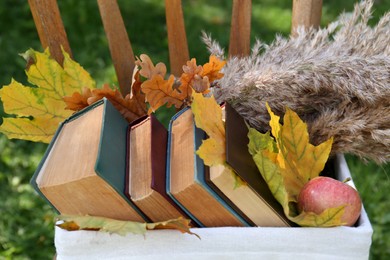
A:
(146, 170)
(254, 198)
(83, 169)
(186, 182)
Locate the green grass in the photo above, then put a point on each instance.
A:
(26, 222)
(373, 184)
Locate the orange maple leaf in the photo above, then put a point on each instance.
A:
(159, 92)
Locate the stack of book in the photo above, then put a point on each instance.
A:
(98, 164)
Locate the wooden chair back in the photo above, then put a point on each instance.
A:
(52, 33)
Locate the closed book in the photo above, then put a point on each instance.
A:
(186, 182)
(146, 170)
(253, 198)
(83, 169)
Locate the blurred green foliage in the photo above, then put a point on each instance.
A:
(26, 222)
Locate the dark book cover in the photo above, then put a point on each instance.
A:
(239, 158)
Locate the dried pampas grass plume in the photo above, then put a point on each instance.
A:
(337, 79)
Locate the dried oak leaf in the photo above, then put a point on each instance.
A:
(136, 91)
(130, 106)
(78, 100)
(200, 84)
(159, 92)
(199, 77)
(148, 70)
(212, 69)
(191, 73)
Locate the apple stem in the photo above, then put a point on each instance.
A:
(347, 179)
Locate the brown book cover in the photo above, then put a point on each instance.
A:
(239, 158)
(146, 169)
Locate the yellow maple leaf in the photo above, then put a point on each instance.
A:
(287, 161)
(296, 154)
(159, 92)
(39, 110)
(208, 117)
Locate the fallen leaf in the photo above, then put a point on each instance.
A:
(287, 161)
(120, 227)
(180, 224)
(328, 218)
(39, 110)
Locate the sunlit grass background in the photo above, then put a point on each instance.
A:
(26, 222)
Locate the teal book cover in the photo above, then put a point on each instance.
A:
(109, 164)
(199, 173)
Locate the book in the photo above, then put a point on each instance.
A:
(83, 169)
(253, 198)
(146, 170)
(186, 183)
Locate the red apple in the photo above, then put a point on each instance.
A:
(322, 193)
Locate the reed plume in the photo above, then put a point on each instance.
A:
(336, 78)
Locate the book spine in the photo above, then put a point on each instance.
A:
(111, 161)
(159, 160)
(33, 180)
(168, 170)
(200, 172)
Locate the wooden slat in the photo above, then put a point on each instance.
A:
(240, 31)
(120, 47)
(50, 28)
(177, 39)
(306, 13)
